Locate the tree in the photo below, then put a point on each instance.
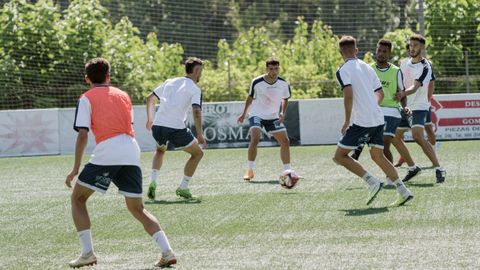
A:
(453, 28)
(29, 48)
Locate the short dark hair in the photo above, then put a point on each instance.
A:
(272, 62)
(191, 63)
(418, 38)
(386, 43)
(347, 42)
(97, 70)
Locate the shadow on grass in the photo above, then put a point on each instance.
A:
(176, 201)
(422, 185)
(270, 182)
(354, 188)
(364, 211)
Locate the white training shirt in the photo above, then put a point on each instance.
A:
(422, 72)
(364, 81)
(267, 98)
(176, 97)
(119, 150)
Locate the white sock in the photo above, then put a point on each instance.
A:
(162, 241)
(439, 168)
(287, 166)
(86, 241)
(370, 179)
(401, 188)
(250, 165)
(411, 168)
(185, 180)
(154, 175)
(389, 182)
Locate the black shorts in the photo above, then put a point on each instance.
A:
(179, 138)
(128, 178)
(357, 135)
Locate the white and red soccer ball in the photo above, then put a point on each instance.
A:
(288, 179)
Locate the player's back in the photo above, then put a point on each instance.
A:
(176, 98)
(111, 112)
(364, 82)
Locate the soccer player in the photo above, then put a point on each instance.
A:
(362, 92)
(107, 112)
(429, 128)
(176, 97)
(392, 81)
(417, 75)
(268, 94)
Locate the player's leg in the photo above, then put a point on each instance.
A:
(387, 140)
(159, 135)
(196, 154)
(91, 179)
(255, 134)
(81, 220)
(348, 143)
(279, 132)
(129, 183)
(282, 139)
(152, 227)
(404, 195)
(183, 139)
(413, 169)
(156, 165)
(377, 154)
(429, 129)
(418, 135)
(431, 135)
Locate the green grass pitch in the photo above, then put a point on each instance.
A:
(321, 224)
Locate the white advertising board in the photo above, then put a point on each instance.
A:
(29, 132)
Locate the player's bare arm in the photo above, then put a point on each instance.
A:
(283, 112)
(248, 102)
(81, 144)
(347, 102)
(431, 89)
(150, 104)
(197, 118)
(380, 95)
(409, 91)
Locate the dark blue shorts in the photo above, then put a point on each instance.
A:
(419, 118)
(357, 135)
(406, 121)
(428, 121)
(271, 126)
(391, 125)
(128, 178)
(179, 138)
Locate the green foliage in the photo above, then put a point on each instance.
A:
(29, 47)
(453, 28)
(399, 39)
(43, 49)
(302, 62)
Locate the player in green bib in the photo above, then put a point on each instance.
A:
(392, 81)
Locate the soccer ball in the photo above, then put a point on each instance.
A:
(288, 179)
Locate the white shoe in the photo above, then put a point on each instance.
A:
(84, 260)
(373, 191)
(167, 259)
